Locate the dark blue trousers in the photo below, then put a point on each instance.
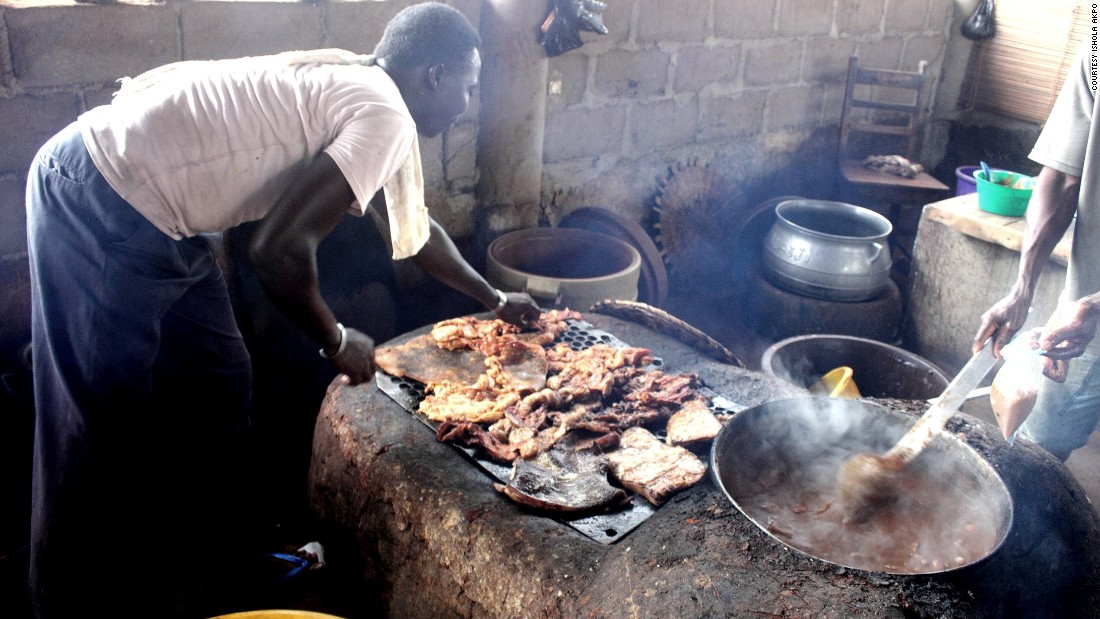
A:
(141, 386)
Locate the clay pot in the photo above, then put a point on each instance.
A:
(564, 267)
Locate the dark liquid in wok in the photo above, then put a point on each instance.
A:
(934, 526)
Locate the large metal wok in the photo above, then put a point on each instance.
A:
(777, 463)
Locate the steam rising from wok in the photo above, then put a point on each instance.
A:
(778, 464)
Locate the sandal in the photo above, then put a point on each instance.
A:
(308, 557)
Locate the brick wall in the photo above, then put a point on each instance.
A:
(752, 88)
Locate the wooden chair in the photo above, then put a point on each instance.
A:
(882, 115)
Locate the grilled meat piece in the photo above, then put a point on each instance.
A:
(422, 360)
(519, 366)
(471, 434)
(470, 332)
(483, 401)
(658, 389)
(486, 335)
(692, 424)
(646, 465)
(562, 479)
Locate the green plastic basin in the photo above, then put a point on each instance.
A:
(1007, 194)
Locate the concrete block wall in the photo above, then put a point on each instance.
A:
(754, 89)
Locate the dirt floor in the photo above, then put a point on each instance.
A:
(256, 584)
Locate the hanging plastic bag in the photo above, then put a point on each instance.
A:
(560, 31)
(1016, 385)
(980, 23)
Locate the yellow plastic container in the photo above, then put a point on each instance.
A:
(837, 383)
(1007, 194)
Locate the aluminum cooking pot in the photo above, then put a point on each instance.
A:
(778, 464)
(828, 250)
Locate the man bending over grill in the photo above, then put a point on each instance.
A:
(141, 377)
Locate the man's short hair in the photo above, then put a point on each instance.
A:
(428, 33)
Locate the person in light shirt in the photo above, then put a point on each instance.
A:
(141, 377)
(1067, 193)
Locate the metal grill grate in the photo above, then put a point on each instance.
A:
(605, 528)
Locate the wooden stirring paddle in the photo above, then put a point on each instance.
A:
(869, 482)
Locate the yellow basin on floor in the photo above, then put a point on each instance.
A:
(277, 614)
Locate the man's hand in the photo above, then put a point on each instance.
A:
(1054, 369)
(1001, 322)
(520, 309)
(1066, 335)
(356, 363)
(1070, 329)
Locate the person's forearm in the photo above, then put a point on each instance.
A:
(290, 281)
(1091, 303)
(283, 247)
(1049, 214)
(441, 259)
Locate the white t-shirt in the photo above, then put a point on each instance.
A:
(1070, 143)
(218, 143)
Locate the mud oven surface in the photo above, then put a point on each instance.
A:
(436, 540)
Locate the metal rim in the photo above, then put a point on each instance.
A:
(830, 207)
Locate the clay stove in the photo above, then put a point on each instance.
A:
(436, 540)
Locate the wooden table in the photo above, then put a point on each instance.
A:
(961, 213)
